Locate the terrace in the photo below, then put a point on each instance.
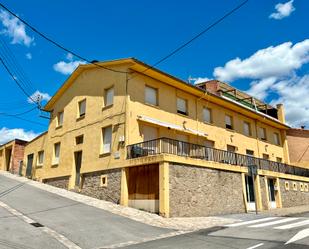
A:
(184, 149)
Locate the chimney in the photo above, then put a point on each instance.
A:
(281, 114)
(212, 86)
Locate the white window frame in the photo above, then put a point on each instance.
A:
(56, 157)
(180, 108)
(60, 117)
(149, 99)
(38, 160)
(81, 114)
(107, 139)
(109, 96)
(209, 115)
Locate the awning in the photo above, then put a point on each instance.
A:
(171, 126)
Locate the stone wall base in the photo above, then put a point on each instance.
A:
(59, 182)
(92, 185)
(197, 191)
(291, 196)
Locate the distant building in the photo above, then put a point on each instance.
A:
(298, 141)
(148, 140)
(11, 155)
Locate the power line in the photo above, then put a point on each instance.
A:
(23, 119)
(209, 27)
(16, 81)
(14, 63)
(56, 43)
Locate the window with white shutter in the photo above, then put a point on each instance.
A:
(151, 95)
(60, 119)
(276, 138)
(207, 115)
(182, 106)
(247, 129)
(228, 122)
(109, 97)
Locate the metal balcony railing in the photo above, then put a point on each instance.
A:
(175, 147)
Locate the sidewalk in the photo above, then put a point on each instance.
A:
(181, 224)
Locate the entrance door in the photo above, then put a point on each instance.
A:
(149, 135)
(29, 165)
(271, 193)
(8, 155)
(78, 164)
(250, 193)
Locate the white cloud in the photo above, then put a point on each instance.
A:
(198, 80)
(293, 93)
(29, 56)
(69, 56)
(276, 61)
(39, 95)
(283, 10)
(14, 29)
(7, 134)
(67, 67)
(259, 89)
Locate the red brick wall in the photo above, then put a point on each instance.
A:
(298, 141)
(17, 156)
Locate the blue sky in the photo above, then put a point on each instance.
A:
(270, 41)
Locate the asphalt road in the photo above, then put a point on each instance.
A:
(31, 218)
(65, 221)
(261, 233)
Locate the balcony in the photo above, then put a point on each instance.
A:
(179, 148)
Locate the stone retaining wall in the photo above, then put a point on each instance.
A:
(110, 192)
(291, 197)
(59, 182)
(197, 191)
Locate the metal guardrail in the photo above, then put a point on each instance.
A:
(175, 147)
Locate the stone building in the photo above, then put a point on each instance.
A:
(129, 133)
(11, 156)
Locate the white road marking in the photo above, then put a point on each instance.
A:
(296, 224)
(267, 224)
(300, 235)
(258, 245)
(251, 222)
(62, 239)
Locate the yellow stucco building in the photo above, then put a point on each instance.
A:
(128, 133)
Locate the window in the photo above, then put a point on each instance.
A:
(228, 122)
(249, 152)
(79, 139)
(107, 139)
(266, 156)
(230, 148)
(247, 128)
(207, 115)
(103, 182)
(56, 153)
(287, 185)
(151, 95)
(182, 106)
(40, 157)
(263, 134)
(59, 119)
(209, 143)
(109, 96)
(82, 108)
(276, 138)
(279, 159)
